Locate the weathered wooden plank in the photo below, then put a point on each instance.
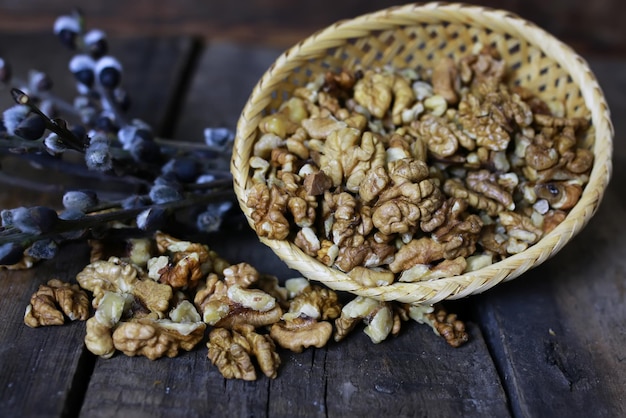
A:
(593, 25)
(221, 85)
(558, 332)
(39, 365)
(44, 371)
(416, 374)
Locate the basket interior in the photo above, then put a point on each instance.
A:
(422, 44)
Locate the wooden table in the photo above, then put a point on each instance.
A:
(550, 343)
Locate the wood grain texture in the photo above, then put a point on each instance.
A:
(39, 365)
(224, 78)
(415, 374)
(590, 26)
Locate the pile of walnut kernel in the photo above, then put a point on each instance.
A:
(163, 295)
(392, 175)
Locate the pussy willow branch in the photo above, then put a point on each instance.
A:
(221, 194)
(55, 126)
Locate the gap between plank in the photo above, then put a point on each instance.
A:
(486, 323)
(80, 383)
(184, 79)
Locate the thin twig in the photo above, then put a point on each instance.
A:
(12, 235)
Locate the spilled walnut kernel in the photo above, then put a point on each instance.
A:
(249, 316)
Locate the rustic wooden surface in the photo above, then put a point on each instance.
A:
(547, 344)
(589, 25)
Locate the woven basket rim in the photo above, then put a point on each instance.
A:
(410, 14)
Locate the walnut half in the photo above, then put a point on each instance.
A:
(231, 350)
(53, 302)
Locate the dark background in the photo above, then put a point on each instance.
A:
(595, 27)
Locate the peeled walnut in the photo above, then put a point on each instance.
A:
(156, 265)
(581, 162)
(260, 167)
(304, 324)
(321, 127)
(211, 299)
(360, 159)
(374, 182)
(254, 299)
(242, 275)
(301, 205)
(269, 207)
(552, 219)
(114, 275)
(278, 124)
(224, 303)
(482, 66)
(314, 302)
(328, 252)
(376, 314)
(540, 156)
(348, 154)
(460, 230)
(300, 333)
(53, 302)
(140, 251)
(560, 195)
(108, 331)
(445, 81)
(295, 109)
(407, 169)
(230, 357)
(153, 296)
(98, 338)
(264, 146)
(307, 240)
(456, 188)
(478, 122)
(371, 277)
(230, 351)
(418, 251)
(374, 92)
(401, 207)
(521, 230)
(339, 83)
(380, 91)
(486, 183)
(185, 273)
(177, 250)
(283, 160)
(157, 338)
(446, 268)
(440, 138)
(553, 155)
(445, 324)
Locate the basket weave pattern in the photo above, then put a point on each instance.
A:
(417, 36)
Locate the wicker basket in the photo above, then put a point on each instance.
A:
(418, 35)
